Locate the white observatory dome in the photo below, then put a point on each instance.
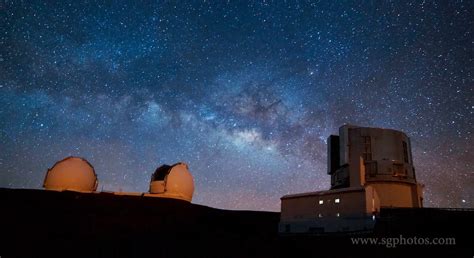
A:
(173, 181)
(71, 173)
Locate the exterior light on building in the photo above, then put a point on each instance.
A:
(337, 200)
(338, 215)
(320, 215)
(321, 201)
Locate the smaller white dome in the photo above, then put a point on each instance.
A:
(173, 181)
(71, 173)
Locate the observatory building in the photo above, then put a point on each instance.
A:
(173, 182)
(370, 168)
(73, 174)
(77, 174)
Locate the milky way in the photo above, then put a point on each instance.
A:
(245, 93)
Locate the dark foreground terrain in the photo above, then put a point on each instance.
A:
(38, 223)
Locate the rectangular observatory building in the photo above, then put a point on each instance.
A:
(370, 168)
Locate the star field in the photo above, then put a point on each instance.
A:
(245, 93)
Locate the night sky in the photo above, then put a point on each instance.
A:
(245, 93)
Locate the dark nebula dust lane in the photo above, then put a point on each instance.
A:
(245, 93)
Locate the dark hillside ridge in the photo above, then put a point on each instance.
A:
(40, 223)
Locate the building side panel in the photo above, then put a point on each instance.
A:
(333, 153)
(302, 208)
(395, 195)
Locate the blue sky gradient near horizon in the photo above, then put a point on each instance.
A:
(245, 93)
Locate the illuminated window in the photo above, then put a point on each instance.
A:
(337, 215)
(321, 201)
(337, 200)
